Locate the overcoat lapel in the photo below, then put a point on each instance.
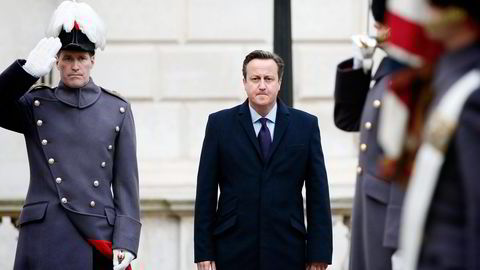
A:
(281, 124)
(246, 121)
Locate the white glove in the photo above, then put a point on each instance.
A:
(122, 259)
(363, 50)
(41, 59)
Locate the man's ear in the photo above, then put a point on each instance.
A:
(92, 58)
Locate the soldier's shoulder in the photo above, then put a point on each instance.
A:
(40, 87)
(114, 94)
(42, 91)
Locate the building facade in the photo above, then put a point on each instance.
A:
(178, 61)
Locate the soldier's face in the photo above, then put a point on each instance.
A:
(75, 67)
(262, 84)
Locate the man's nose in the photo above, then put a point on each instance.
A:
(75, 65)
(262, 85)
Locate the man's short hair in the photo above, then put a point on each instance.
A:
(260, 54)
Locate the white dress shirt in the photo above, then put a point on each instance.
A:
(271, 117)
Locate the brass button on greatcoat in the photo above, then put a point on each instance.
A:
(368, 125)
(58, 180)
(117, 128)
(122, 110)
(64, 200)
(39, 123)
(92, 204)
(110, 147)
(96, 183)
(51, 161)
(36, 103)
(103, 164)
(377, 103)
(363, 147)
(359, 170)
(44, 142)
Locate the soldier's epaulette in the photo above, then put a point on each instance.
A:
(40, 86)
(115, 94)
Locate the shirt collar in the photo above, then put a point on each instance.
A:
(271, 116)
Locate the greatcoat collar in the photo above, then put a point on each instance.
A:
(78, 97)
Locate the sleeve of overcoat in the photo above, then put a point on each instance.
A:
(319, 218)
(206, 198)
(14, 83)
(351, 89)
(125, 188)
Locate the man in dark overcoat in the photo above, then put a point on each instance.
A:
(378, 201)
(260, 155)
(441, 222)
(82, 205)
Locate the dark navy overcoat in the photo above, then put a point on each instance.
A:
(259, 221)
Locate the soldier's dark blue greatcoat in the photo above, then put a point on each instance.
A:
(83, 188)
(377, 202)
(452, 232)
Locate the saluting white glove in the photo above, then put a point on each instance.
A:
(363, 50)
(41, 59)
(122, 259)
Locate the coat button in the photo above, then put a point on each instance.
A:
(44, 142)
(58, 180)
(122, 109)
(39, 123)
(117, 128)
(363, 147)
(96, 183)
(110, 147)
(368, 125)
(64, 200)
(359, 170)
(36, 103)
(92, 204)
(51, 161)
(103, 164)
(377, 103)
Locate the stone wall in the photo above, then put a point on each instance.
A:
(177, 61)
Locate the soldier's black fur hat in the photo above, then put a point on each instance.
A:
(378, 10)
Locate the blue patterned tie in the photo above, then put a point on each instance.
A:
(264, 138)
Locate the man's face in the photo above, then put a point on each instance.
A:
(262, 83)
(383, 32)
(75, 67)
(444, 24)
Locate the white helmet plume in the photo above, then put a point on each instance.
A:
(69, 12)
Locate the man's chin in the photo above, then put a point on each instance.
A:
(75, 83)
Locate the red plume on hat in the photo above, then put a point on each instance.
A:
(72, 18)
(409, 44)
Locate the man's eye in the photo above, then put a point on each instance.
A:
(254, 79)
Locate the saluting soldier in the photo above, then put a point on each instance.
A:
(82, 205)
(377, 201)
(441, 220)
